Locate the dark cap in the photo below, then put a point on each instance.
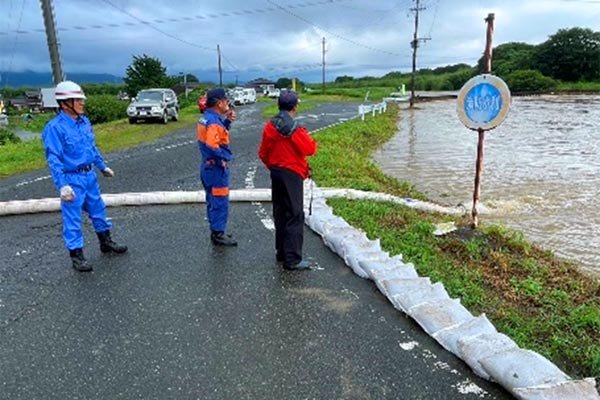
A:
(288, 99)
(214, 95)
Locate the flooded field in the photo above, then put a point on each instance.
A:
(541, 168)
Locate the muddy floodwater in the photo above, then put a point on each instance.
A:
(541, 172)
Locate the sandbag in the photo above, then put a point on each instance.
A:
(390, 285)
(450, 337)
(584, 389)
(423, 295)
(373, 266)
(440, 314)
(329, 223)
(353, 260)
(317, 220)
(519, 368)
(472, 349)
(335, 237)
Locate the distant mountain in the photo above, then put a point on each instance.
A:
(44, 79)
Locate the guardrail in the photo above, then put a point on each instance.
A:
(364, 109)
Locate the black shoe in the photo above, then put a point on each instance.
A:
(108, 245)
(221, 239)
(297, 267)
(79, 261)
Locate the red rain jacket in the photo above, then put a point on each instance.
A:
(286, 151)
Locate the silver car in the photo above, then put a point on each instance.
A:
(154, 104)
(3, 120)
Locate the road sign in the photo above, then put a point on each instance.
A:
(483, 102)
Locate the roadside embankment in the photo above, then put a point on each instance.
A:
(543, 303)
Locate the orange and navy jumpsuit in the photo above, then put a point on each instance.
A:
(213, 141)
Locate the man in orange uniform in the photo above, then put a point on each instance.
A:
(213, 141)
(283, 149)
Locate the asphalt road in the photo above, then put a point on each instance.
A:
(176, 318)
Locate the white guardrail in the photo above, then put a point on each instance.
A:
(364, 109)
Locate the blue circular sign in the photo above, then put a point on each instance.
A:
(483, 102)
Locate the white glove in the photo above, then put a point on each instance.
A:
(109, 173)
(67, 193)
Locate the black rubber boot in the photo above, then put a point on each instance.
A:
(302, 265)
(108, 245)
(79, 261)
(221, 239)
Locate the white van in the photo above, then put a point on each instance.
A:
(238, 96)
(250, 95)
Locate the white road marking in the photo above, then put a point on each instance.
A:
(260, 211)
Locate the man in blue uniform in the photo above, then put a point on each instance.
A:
(71, 151)
(213, 141)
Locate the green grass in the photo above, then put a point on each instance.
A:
(116, 135)
(307, 102)
(543, 303)
(353, 167)
(579, 86)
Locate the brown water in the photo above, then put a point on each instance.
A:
(541, 171)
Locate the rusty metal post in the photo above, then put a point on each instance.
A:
(487, 65)
(478, 170)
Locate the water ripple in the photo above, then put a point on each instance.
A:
(541, 168)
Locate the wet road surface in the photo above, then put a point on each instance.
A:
(178, 318)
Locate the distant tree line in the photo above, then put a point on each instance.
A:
(569, 55)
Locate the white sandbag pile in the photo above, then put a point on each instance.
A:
(491, 355)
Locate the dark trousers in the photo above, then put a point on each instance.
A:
(288, 212)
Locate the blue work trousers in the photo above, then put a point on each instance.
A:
(215, 179)
(88, 199)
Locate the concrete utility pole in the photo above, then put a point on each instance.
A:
(414, 44)
(185, 89)
(48, 13)
(323, 85)
(220, 68)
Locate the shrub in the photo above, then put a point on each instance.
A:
(7, 136)
(529, 81)
(105, 108)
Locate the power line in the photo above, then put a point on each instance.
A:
(437, 5)
(12, 53)
(186, 18)
(332, 33)
(110, 3)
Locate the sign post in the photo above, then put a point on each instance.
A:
(483, 103)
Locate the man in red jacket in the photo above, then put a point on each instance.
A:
(283, 149)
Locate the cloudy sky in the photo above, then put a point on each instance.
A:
(271, 39)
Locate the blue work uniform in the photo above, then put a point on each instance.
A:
(71, 151)
(213, 142)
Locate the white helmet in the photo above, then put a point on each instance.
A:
(68, 90)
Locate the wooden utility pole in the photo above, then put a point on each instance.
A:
(323, 84)
(487, 68)
(220, 68)
(52, 38)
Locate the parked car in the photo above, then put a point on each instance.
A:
(250, 95)
(237, 96)
(243, 95)
(3, 120)
(273, 93)
(154, 104)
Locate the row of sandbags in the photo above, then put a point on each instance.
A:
(491, 355)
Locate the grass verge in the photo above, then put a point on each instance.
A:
(307, 102)
(543, 303)
(28, 156)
